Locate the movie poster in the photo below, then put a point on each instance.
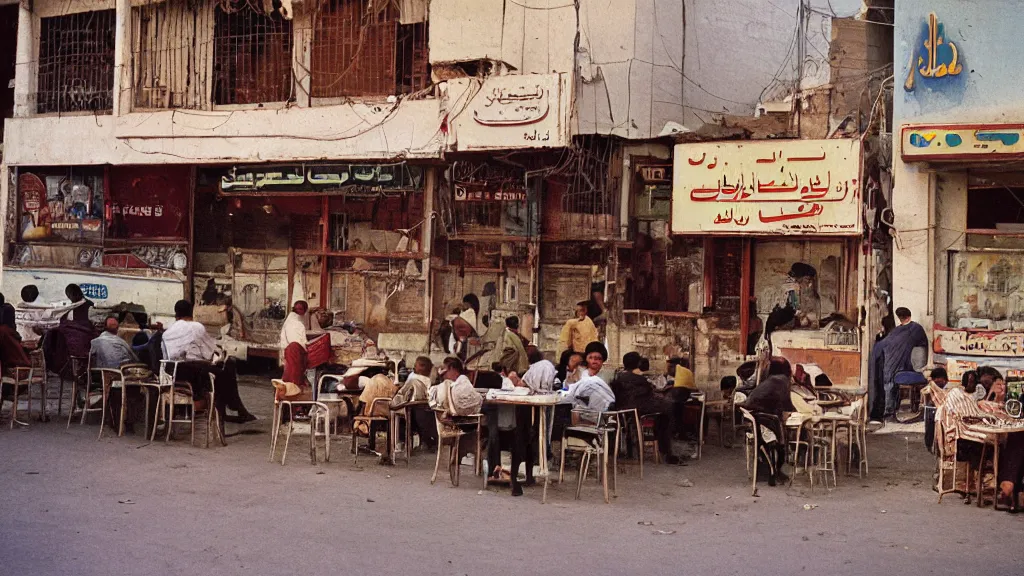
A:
(63, 207)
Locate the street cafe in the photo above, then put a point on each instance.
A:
(781, 223)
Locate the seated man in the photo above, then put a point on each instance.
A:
(7, 314)
(415, 390)
(959, 410)
(109, 350)
(12, 355)
(187, 342)
(592, 393)
(935, 395)
(540, 376)
(379, 386)
(293, 348)
(633, 390)
(772, 398)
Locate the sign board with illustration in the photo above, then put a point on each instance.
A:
(965, 141)
(768, 187)
(61, 207)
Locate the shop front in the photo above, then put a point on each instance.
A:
(123, 233)
(776, 227)
(346, 238)
(978, 241)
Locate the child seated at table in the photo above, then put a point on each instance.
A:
(415, 390)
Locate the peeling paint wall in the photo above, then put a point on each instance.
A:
(531, 36)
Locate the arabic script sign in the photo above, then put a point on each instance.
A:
(935, 57)
(767, 187)
(938, 142)
(515, 111)
(321, 178)
(969, 343)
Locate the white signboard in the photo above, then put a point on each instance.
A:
(509, 112)
(767, 187)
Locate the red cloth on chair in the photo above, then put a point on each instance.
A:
(295, 359)
(318, 352)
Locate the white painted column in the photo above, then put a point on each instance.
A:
(123, 89)
(426, 237)
(913, 247)
(4, 192)
(26, 62)
(302, 54)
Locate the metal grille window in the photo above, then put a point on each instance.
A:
(171, 46)
(76, 62)
(362, 48)
(252, 57)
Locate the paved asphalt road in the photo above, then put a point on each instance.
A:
(72, 505)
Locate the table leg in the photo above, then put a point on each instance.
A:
(542, 448)
(995, 472)
(981, 473)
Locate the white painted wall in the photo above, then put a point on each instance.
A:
(158, 295)
(344, 132)
(735, 49)
(630, 60)
(531, 36)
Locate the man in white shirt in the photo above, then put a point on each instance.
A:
(293, 345)
(187, 341)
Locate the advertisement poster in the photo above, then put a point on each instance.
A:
(61, 207)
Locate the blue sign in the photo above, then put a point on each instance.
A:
(94, 291)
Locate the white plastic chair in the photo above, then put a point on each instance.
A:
(318, 426)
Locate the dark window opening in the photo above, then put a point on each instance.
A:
(1000, 209)
(252, 57)
(665, 275)
(76, 63)
(361, 48)
(8, 45)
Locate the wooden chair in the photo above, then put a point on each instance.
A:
(856, 434)
(650, 438)
(398, 415)
(590, 439)
(82, 379)
(38, 379)
(755, 448)
(318, 425)
(378, 405)
(79, 373)
(701, 399)
(173, 394)
(626, 431)
(450, 431)
(146, 386)
(21, 379)
(109, 379)
(722, 410)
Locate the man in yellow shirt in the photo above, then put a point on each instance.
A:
(578, 332)
(683, 374)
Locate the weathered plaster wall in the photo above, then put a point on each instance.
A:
(738, 49)
(353, 131)
(987, 90)
(531, 36)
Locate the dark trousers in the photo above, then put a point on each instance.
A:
(425, 424)
(521, 441)
(776, 452)
(664, 413)
(136, 400)
(197, 373)
(1011, 459)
